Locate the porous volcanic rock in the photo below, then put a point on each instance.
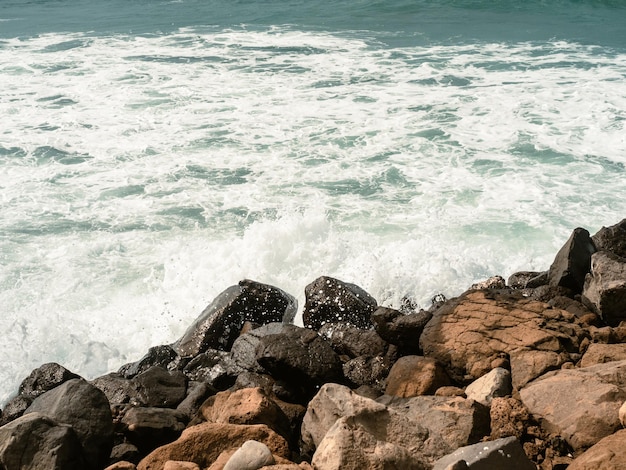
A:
(329, 300)
(468, 333)
(612, 239)
(220, 323)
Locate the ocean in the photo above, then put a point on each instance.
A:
(153, 153)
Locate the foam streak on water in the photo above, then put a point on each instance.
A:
(140, 176)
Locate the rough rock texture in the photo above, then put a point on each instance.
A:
(161, 388)
(573, 261)
(368, 371)
(598, 353)
(15, 408)
(148, 428)
(44, 378)
(605, 287)
(299, 356)
(220, 323)
(330, 300)
(509, 417)
(197, 393)
(122, 465)
(496, 383)
(203, 443)
(411, 376)
(612, 239)
(494, 282)
(163, 356)
(87, 410)
(118, 389)
(526, 279)
(468, 333)
(36, 442)
(607, 454)
(243, 350)
(506, 453)
(213, 367)
(246, 406)
(399, 329)
(350, 341)
(580, 405)
(252, 455)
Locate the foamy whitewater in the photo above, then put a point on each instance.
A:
(143, 173)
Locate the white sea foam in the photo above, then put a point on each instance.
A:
(140, 176)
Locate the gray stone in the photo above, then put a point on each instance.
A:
(243, 350)
(612, 239)
(87, 410)
(506, 453)
(44, 378)
(149, 428)
(221, 322)
(37, 442)
(525, 279)
(573, 261)
(496, 383)
(350, 341)
(163, 356)
(15, 408)
(252, 455)
(605, 287)
(161, 388)
(330, 300)
(214, 367)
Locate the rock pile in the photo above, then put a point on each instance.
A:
(520, 374)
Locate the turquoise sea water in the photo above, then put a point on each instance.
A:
(153, 153)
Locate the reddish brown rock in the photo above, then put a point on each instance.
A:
(509, 417)
(608, 454)
(202, 444)
(412, 376)
(598, 353)
(468, 333)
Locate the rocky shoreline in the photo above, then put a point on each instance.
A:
(520, 374)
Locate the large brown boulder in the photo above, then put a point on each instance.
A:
(607, 454)
(471, 334)
(580, 405)
(36, 442)
(605, 287)
(573, 261)
(411, 376)
(599, 353)
(202, 444)
(85, 408)
(220, 323)
(329, 300)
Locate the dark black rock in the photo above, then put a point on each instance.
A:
(612, 239)
(348, 340)
(253, 380)
(299, 357)
(213, 367)
(118, 389)
(45, 378)
(573, 261)
(85, 408)
(221, 322)
(37, 442)
(330, 300)
(149, 428)
(404, 331)
(161, 388)
(244, 348)
(368, 371)
(527, 279)
(163, 356)
(197, 393)
(15, 408)
(126, 452)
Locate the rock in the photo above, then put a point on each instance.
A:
(607, 454)
(86, 409)
(149, 428)
(353, 342)
(213, 367)
(161, 388)
(580, 405)
(197, 393)
(366, 370)
(252, 455)
(411, 376)
(220, 323)
(246, 406)
(598, 353)
(44, 378)
(330, 300)
(15, 408)
(605, 287)
(612, 239)
(36, 442)
(573, 261)
(399, 329)
(118, 389)
(450, 391)
(203, 443)
(496, 383)
(243, 350)
(494, 282)
(622, 414)
(527, 279)
(122, 465)
(468, 333)
(299, 356)
(179, 465)
(125, 452)
(499, 454)
(509, 417)
(351, 444)
(163, 356)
